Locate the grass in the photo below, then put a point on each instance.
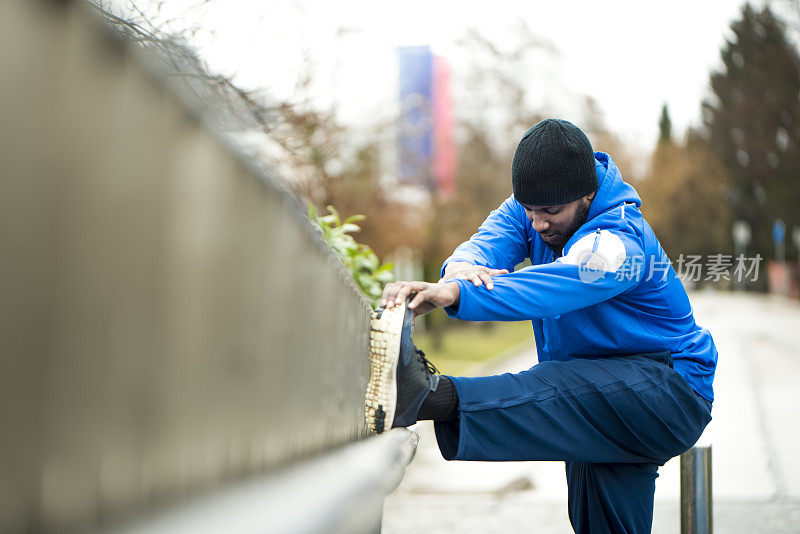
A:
(469, 344)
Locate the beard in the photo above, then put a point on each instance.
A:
(578, 220)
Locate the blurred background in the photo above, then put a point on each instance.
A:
(410, 116)
(157, 301)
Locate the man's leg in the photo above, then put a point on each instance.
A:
(440, 404)
(613, 421)
(628, 409)
(611, 498)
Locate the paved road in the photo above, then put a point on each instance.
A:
(756, 436)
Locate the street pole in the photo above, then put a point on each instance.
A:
(696, 491)
(779, 237)
(741, 238)
(796, 239)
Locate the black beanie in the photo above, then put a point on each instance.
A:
(553, 165)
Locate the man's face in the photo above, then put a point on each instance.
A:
(556, 224)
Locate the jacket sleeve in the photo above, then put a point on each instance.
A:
(501, 241)
(599, 265)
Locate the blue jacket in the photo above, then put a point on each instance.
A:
(613, 292)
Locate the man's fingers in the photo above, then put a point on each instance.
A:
(403, 294)
(388, 295)
(472, 272)
(397, 292)
(385, 293)
(391, 293)
(418, 299)
(425, 301)
(487, 279)
(475, 278)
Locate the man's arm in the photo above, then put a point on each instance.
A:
(598, 266)
(616, 259)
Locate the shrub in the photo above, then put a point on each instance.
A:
(360, 260)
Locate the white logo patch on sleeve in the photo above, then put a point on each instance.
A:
(597, 253)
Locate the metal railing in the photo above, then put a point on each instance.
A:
(171, 325)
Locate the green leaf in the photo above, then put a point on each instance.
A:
(384, 277)
(334, 214)
(365, 267)
(354, 218)
(348, 227)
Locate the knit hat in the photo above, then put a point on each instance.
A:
(553, 165)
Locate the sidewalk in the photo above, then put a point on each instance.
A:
(756, 431)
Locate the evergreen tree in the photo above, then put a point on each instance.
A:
(664, 126)
(753, 123)
(683, 199)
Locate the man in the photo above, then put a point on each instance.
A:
(624, 379)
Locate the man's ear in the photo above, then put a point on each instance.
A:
(590, 197)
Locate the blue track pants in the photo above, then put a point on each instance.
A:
(613, 420)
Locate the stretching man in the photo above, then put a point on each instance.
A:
(624, 379)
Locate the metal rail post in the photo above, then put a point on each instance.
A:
(696, 491)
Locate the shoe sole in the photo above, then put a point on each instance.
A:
(386, 327)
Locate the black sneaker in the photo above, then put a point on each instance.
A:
(400, 376)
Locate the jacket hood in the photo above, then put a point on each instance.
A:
(611, 190)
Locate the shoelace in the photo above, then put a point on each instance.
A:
(429, 367)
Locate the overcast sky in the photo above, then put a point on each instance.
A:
(631, 56)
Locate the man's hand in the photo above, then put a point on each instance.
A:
(426, 296)
(477, 274)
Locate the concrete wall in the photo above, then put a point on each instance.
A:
(169, 321)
